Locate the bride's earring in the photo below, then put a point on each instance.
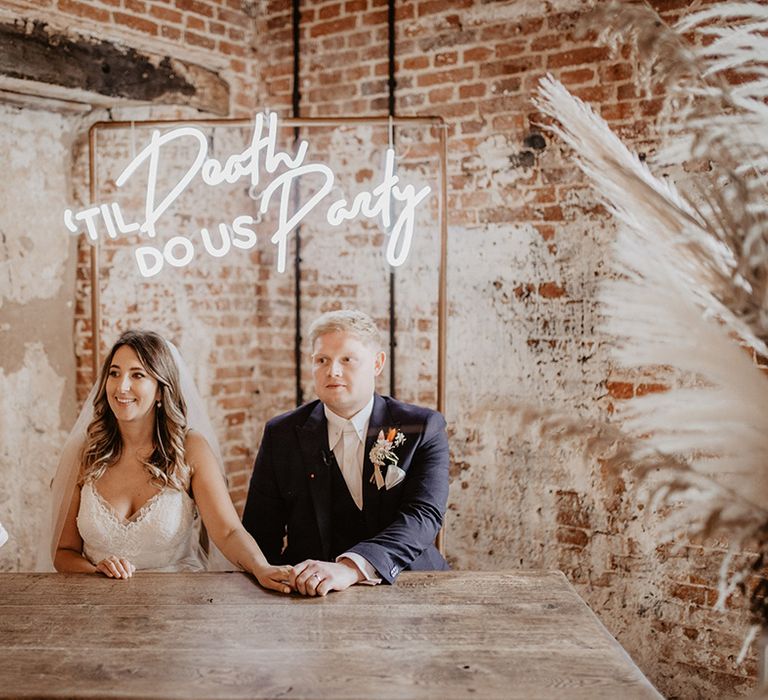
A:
(159, 404)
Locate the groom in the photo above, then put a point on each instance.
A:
(350, 488)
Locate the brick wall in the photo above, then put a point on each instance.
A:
(527, 248)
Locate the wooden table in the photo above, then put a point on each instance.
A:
(219, 635)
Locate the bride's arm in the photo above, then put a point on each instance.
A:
(69, 553)
(220, 517)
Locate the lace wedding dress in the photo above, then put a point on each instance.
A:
(163, 535)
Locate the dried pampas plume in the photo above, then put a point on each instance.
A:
(691, 275)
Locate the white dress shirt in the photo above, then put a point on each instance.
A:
(346, 437)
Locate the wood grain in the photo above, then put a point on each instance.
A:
(443, 634)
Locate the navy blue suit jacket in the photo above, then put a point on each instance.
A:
(290, 490)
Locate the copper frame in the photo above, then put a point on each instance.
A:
(436, 122)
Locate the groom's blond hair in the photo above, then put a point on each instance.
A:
(351, 321)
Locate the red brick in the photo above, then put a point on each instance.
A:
(447, 58)
(136, 6)
(166, 14)
(478, 53)
(416, 63)
(689, 594)
(430, 7)
(355, 73)
(551, 290)
(574, 57)
(454, 75)
(650, 108)
(627, 91)
(546, 232)
(669, 5)
(236, 34)
(336, 26)
(194, 23)
(199, 40)
(233, 49)
(137, 23)
(575, 77)
(643, 389)
(510, 49)
(506, 86)
(236, 18)
(371, 19)
(572, 536)
(404, 11)
(332, 93)
(329, 11)
(521, 65)
(456, 109)
(620, 390)
(473, 90)
(170, 32)
(196, 6)
(618, 111)
(278, 22)
(440, 95)
(82, 9)
(594, 93)
(373, 87)
(615, 72)
(548, 41)
(360, 39)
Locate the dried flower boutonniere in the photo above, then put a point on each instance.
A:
(383, 453)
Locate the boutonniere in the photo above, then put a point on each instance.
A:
(383, 454)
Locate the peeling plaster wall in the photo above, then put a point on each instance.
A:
(504, 483)
(37, 367)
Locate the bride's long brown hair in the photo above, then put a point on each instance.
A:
(104, 444)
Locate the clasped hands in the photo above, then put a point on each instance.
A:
(310, 577)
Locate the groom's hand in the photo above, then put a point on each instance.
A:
(312, 577)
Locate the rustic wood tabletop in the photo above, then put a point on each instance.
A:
(516, 634)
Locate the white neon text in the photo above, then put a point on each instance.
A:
(262, 152)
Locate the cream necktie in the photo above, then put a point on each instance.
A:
(350, 469)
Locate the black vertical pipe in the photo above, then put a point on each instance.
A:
(296, 99)
(392, 83)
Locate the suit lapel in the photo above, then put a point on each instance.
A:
(380, 420)
(317, 461)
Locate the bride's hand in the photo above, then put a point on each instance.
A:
(115, 567)
(274, 578)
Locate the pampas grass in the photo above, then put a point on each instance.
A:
(691, 274)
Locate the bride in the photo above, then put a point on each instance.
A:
(138, 469)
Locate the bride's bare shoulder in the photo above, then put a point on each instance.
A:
(197, 450)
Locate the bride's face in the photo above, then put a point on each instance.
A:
(131, 390)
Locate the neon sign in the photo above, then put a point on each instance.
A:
(261, 154)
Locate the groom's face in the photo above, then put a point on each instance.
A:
(344, 369)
